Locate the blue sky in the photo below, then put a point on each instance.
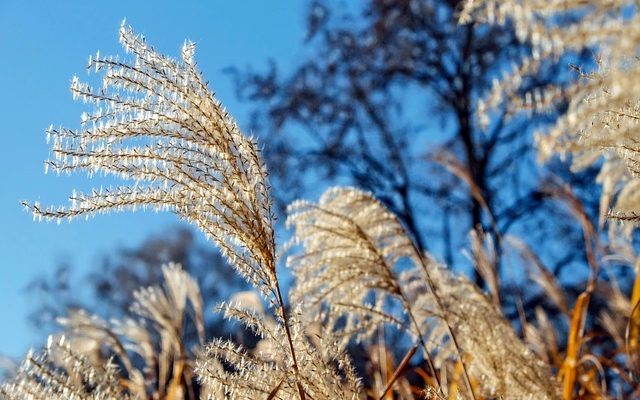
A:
(43, 44)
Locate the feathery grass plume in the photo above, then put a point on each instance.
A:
(542, 338)
(93, 346)
(540, 274)
(498, 361)
(156, 125)
(325, 371)
(484, 258)
(603, 112)
(167, 369)
(60, 373)
(351, 246)
(353, 260)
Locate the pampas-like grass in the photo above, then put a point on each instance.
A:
(60, 373)
(354, 260)
(603, 112)
(93, 347)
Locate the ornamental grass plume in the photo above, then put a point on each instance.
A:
(156, 125)
(356, 259)
(60, 373)
(264, 373)
(141, 357)
(603, 111)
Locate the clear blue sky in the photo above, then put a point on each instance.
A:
(43, 44)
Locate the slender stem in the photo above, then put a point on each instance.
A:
(432, 287)
(289, 339)
(427, 355)
(399, 371)
(405, 301)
